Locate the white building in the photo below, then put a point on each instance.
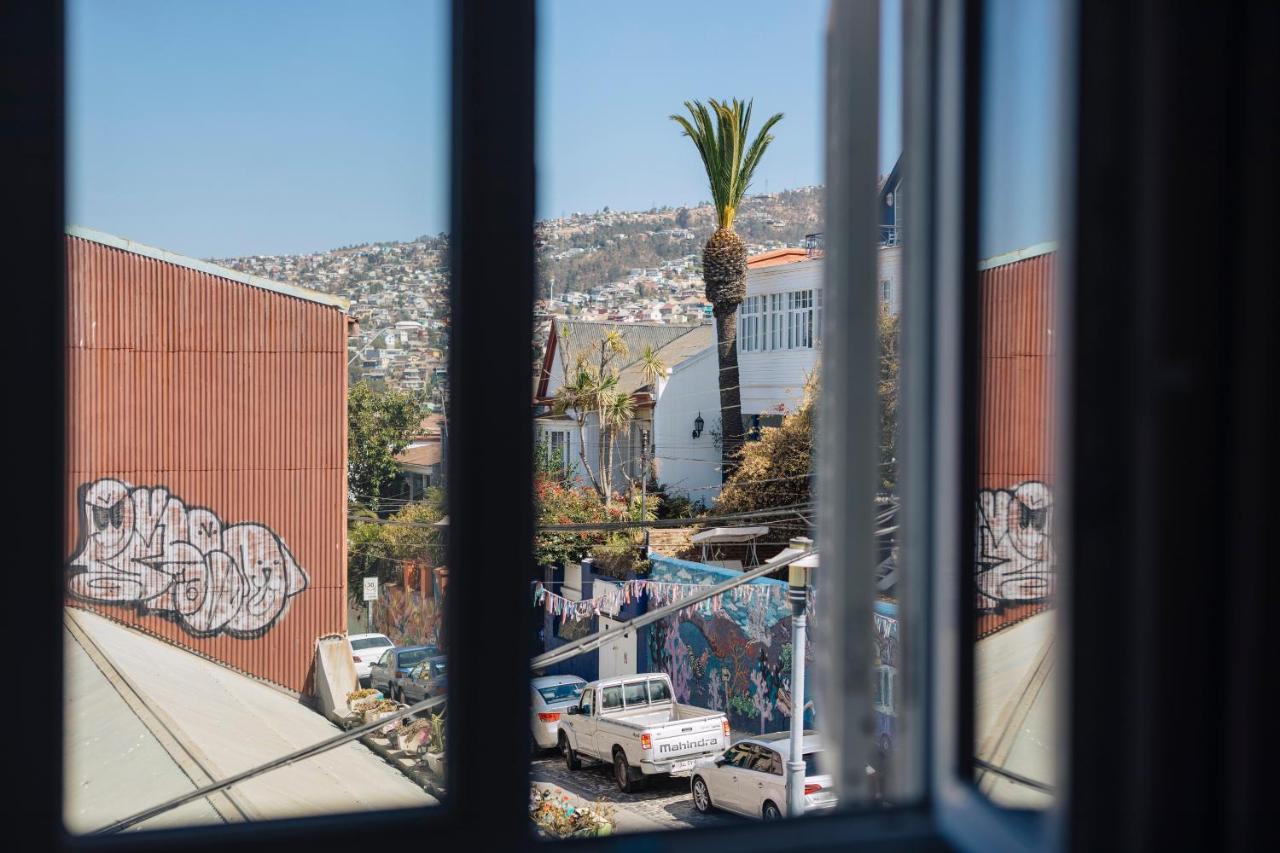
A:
(779, 344)
(673, 344)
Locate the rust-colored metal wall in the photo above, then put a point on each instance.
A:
(231, 399)
(1016, 561)
(1017, 373)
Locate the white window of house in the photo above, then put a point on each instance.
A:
(777, 317)
(751, 324)
(558, 444)
(800, 319)
(884, 292)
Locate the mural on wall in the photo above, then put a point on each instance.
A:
(1014, 544)
(407, 617)
(735, 658)
(144, 546)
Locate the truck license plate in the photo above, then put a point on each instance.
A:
(681, 766)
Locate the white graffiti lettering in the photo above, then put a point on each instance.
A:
(1014, 544)
(144, 546)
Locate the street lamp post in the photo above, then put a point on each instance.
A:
(798, 587)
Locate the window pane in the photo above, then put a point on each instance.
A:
(257, 308)
(1016, 570)
(636, 694)
(628, 242)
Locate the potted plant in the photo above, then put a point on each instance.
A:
(359, 700)
(407, 737)
(380, 710)
(435, 744)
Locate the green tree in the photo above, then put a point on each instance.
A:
(376, 548)
(730, 164)
(379, 426)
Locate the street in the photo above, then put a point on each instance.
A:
(663, 803)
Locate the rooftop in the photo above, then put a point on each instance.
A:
(168, 257)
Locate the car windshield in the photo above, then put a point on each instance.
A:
(408, 659)
(370, 643)
(560, 692)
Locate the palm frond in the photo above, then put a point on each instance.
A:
(721, 143)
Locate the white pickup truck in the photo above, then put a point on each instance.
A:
(634, 723)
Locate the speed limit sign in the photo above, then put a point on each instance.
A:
(371, 588)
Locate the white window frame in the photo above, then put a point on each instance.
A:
(800, 310)
(777, 319)
(750, 324)
(551, 433)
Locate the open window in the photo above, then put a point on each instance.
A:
(1162, 393)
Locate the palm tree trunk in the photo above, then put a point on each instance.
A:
(730, 392)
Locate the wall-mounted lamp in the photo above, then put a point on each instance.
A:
(698, 424)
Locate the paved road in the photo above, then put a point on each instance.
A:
(662, 803)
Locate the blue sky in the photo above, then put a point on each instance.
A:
(224, 127)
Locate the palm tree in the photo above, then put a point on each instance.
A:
(730, 164)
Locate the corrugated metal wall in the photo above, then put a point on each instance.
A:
(231, 397)
(1015, 456)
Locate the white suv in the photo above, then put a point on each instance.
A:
(365, 651)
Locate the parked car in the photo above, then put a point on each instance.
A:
(634, 723)
(394, 665)
(552, 695)
(365, 649)
(750, 778)
(426, 679)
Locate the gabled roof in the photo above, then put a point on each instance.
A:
(672, 343)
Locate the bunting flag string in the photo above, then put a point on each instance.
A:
(660, 593)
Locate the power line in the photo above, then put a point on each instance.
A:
(784, 510)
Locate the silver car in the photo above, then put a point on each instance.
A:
(552, 694)
(750, 778)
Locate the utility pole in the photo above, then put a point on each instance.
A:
(644, 484)
(798, 589)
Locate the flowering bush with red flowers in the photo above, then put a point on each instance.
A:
(561, 503)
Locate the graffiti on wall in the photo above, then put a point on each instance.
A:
(1014, 544)
(144, 546)
(735, 659)
(407, 617)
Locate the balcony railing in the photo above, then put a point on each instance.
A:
(813, 244)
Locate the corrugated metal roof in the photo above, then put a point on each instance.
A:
(672, 343)
(206, 267)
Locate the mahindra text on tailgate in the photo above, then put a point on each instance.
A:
(688, 742)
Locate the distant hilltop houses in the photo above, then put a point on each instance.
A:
(610, 266)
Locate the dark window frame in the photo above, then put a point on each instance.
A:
(1142, 70)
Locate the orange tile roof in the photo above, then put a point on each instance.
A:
(778, 257)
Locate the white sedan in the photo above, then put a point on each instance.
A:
(552, 694)
(365, 651)
(750, 778)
